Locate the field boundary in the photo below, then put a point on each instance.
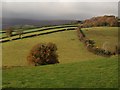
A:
(91, 47)
(33, 35)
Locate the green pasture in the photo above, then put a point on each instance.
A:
(78, 68)
(97, 73)
(37, 32)
(36, 29)
(70, 49)
(102, 35)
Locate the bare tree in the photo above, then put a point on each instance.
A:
(9, 31)
(20, 33)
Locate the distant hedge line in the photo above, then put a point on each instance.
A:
(90, 45)
(38, 30)
(52, 27)
(38, 34)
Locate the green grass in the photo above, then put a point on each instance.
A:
(99, 73)
(37, 32)
(70, 49)
(77, 67)
(36, 29)
(103, 34)
(50, 30)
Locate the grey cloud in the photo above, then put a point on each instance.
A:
(58, 10)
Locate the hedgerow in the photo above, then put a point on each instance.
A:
(90, 45)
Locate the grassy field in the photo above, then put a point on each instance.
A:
(104, 34)
(99, 73)
(77, 68)
(69, 48)
(38, 29)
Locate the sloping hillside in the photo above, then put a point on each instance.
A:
(101, 21)
(78, 68)
(69, 47)
(98, 73)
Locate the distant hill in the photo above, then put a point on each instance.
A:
(6, 22)
(101, 21)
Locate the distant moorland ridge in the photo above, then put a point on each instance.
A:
(106, 20)
(8, 22)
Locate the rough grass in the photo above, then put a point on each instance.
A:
(102, 35)
(36, 29)
(77, 68)
(70, 49)
(99, 73)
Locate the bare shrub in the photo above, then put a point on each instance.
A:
(42, 54)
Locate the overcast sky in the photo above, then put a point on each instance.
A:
(58, 10)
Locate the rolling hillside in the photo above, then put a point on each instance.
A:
(97, 73)
(78, 68)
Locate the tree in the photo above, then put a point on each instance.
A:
(19, 32)
(18, 29)
(9, 31)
